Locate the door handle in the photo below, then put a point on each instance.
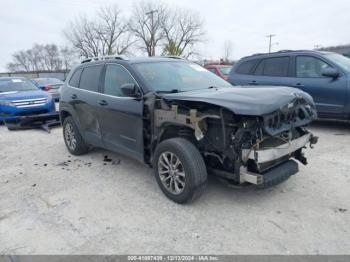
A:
(254, 82)
(299, 85)
(102, 102)
(74, 96)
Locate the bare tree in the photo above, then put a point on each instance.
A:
(106, 34)
(146, 24)
(114, 31)
(39, 57)
(68, 56)
(227, 50)
(183, 28)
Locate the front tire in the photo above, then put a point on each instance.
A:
(72, 137)
(180, 170)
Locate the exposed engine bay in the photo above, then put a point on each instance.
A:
(241, 148)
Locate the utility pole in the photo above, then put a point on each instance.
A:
(270, 41)
(152, 46)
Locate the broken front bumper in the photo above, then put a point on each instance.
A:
(271, 154)
(43, 121)
(272, 165)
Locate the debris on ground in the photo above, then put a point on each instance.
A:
(107, 159)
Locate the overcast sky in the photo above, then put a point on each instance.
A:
(298, 24)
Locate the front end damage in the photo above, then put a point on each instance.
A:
(244, 149)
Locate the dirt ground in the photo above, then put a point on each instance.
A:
(55, 203)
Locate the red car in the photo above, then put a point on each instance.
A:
(220, 70)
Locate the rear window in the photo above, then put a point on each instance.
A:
(246, 67)
(90, 78)
(277, 66)
(74, 80)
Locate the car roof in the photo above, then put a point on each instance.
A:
(286, 52)
(132, 60)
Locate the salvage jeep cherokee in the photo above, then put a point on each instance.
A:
(184, 121)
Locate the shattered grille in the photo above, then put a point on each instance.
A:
(292, 115)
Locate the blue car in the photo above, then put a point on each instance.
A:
(324, 75)
(20, 97)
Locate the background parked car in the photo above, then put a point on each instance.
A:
(324, 75)
(20, 97)
(51, 85)
(220, 70)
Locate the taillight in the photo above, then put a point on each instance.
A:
(47, 88)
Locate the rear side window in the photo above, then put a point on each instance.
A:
(90, 78)
(246, 67)
(74, 80)
(277, 66)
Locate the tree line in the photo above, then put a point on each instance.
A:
(153, 28)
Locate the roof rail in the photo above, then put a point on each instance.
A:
(101, 58)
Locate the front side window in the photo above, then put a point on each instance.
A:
(178, 76)
(116, 76)
(309, 67)
(90, 78)
(277, 66)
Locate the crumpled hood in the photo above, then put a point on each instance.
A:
(19, 95)
(255, 101)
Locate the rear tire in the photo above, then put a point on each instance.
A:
(180, 170)
(72, 137)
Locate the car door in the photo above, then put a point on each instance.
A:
(83, 100)
(328, 93)
(121, 116)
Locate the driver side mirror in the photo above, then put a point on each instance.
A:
(130, 89)
(330, 72)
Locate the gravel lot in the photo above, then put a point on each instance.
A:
(54, 203)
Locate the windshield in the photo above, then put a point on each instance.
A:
(225, 70)
(10, 85)
(178, 76)
(340, 60)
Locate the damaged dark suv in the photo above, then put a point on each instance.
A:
(185, 122)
